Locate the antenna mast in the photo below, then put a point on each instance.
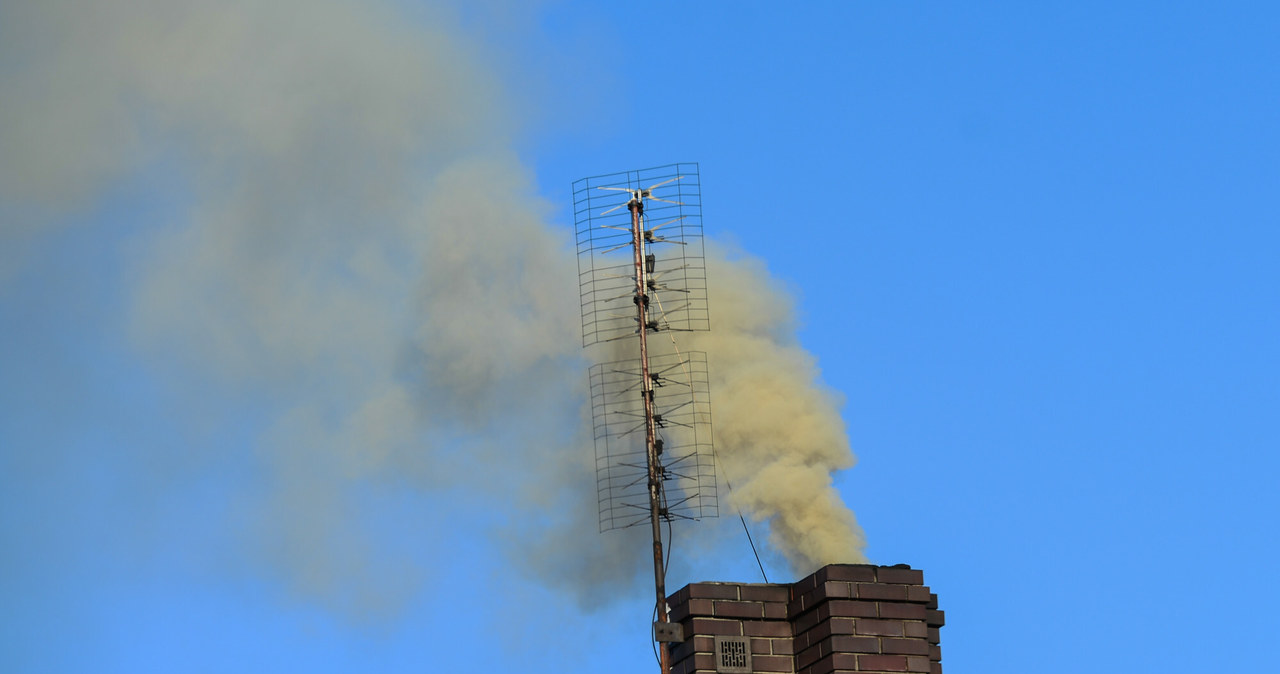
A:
(685, 412)
(636, 206)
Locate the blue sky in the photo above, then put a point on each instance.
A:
(1031, 245)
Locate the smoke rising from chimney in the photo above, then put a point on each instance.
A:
(779, 434)
(361, 257)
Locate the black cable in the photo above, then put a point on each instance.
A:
(716, 457)
(753, 543)
(745, 528)
(653, 636)
(670, 539)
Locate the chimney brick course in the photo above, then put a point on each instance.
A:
(842, 618)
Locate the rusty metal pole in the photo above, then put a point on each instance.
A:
(636, 206)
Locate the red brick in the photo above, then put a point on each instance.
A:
(862, 573)
(884, 663)
(837, 625)
(834, 589)
(705, 661)
(841, 625)
(935, 635)
(814, 652)
(902, 611)
(819, 632)
(823, 666)
(826, 628)
(882, 592)
(692, 607)
(841, 643)
(778, 593)
(919, 594)
(771, 663)
(803, 585)
(935, 668)
(705, 626)
(680, 596)
(935, 653)
(916, 663)
(683, 650)
(713, 591)
(844, 661)
(808, 656)
(904, 576)
(698, 664)
(851, 609)
(803, 641)
(883, 628)
(739, 609)
(807, 621)
(886, 613)
(904, 646)
(766, 628)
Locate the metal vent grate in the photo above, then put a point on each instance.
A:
(733, 655)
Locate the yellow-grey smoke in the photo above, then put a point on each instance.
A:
(778, 431)
(358, 254)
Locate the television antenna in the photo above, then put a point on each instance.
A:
(642, 271)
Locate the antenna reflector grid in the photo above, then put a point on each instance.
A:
(672, 223)
(683, 403)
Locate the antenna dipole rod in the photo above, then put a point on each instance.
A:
(636, 206)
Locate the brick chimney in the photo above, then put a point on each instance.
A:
(843, 618)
